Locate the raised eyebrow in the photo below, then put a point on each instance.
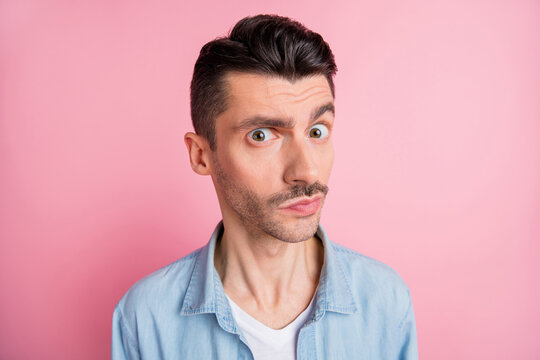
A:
(318, 112)
(259, 121)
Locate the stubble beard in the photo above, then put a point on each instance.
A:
(258, 215)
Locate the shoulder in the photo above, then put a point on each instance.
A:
(162, 287)
(372, 281)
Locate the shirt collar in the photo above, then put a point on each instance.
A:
(205, 292)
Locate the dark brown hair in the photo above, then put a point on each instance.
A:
(263, 44)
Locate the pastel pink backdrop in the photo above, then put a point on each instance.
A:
(437, 168)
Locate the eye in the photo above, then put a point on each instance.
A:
(318, 131)
(261, 135)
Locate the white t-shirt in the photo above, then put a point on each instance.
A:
(265, 342)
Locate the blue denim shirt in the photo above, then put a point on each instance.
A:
(363, 311)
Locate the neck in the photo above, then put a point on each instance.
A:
(265, 269)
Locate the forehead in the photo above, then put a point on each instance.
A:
(249, 94)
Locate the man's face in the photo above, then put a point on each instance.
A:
(274, 154)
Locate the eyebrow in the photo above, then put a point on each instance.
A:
(263, 121)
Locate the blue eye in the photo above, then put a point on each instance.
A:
(318, 131)
(261, 134)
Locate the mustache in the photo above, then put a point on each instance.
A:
(299, 191)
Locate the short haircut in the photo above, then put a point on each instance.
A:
(264, 44)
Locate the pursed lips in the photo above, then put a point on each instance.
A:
(302, 201)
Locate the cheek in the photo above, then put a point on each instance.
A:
(331, 161)
(326, 163)
(257, 172)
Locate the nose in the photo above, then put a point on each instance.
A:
(301, 167)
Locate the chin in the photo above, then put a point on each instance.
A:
(294, 231)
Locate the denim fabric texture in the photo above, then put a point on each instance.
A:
(363, 311)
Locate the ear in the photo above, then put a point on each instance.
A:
(199, 153)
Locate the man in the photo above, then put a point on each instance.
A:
(269, 284)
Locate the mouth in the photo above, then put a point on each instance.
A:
(304, 207)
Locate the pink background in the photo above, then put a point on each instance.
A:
(437, 167)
